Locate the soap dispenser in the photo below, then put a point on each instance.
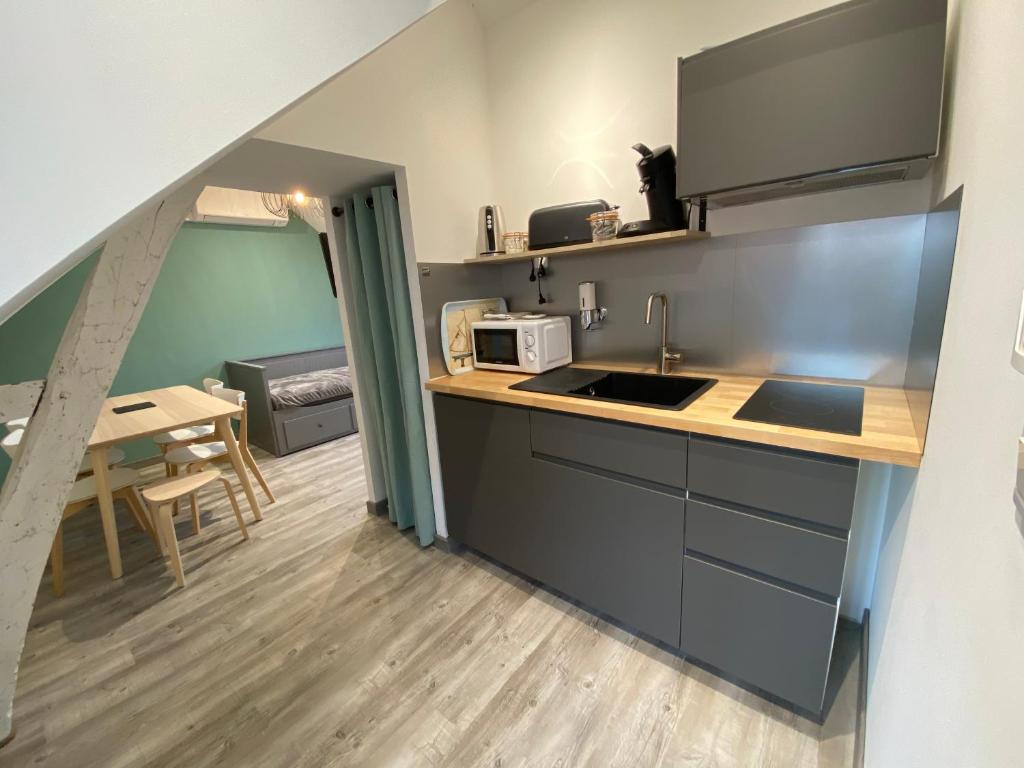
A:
(591, 314)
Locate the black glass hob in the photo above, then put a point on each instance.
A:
(823, 407)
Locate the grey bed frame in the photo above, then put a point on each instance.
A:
(291, 429)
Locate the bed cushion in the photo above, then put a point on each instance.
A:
(310, 388)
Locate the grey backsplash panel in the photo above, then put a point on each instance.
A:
(441, 283)
(697, 279)
(930, 313)
(832, 300)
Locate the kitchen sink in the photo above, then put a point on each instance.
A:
(673, 392)
(647, 389)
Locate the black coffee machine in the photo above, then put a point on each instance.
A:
(658, 184)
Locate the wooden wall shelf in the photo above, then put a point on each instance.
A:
(660, 238)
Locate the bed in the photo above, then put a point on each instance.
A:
(296, 400)
(311, 388)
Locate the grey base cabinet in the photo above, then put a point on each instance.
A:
(766, 541)
(587, 531)
(732, 552)
(612, 545)
(488, 490)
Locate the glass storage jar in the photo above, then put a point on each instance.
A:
(515, 242)
(604, 225)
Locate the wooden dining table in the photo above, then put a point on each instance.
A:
(172, 408)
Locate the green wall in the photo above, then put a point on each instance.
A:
(224, 293)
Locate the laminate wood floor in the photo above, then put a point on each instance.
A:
(331, 639)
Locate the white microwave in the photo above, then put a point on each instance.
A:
(522, 345)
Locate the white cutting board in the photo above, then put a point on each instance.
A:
(456, 336)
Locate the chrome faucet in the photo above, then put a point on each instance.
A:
(665, 357)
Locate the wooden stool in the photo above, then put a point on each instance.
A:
(160, 498)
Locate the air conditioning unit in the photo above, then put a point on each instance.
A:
(220, 205)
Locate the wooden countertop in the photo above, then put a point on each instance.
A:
(888, 434)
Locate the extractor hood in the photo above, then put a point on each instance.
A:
(847, 96)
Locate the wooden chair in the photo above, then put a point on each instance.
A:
(83, 494)
(195, 456)
(166, 441)
(11, 444)
(160, 498)
(16, 424)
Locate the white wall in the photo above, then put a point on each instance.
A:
(575, 83)
(536, 106)
(947, 642)
(419, 102)
(568, 87)
(106, 103)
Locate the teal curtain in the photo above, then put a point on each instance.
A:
(385, 354)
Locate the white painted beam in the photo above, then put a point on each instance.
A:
(19, 400)
(90, 353)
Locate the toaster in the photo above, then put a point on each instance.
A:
(563, 224)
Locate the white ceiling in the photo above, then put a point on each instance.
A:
(270, 166)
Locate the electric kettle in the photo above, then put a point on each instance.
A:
(490, 231)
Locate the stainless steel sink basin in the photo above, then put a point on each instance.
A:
(647, 389)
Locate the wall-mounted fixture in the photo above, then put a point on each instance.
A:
(310, 209)
(538, 271)
(591, 314)
(238, 207)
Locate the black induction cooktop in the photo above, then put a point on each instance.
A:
(823, 407)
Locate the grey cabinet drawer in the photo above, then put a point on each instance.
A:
(317, 427)
(819, 489)
(765, 635)
(797, 555)
(614, 546)
(648, 454)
